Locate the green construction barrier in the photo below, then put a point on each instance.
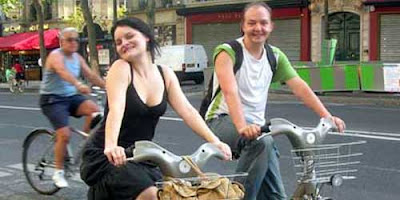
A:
(380, 77)
(325, 78)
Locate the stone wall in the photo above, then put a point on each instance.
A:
(317, 14)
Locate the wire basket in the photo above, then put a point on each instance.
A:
(320, 163)
(195, 186)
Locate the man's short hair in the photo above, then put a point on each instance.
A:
(67, 30)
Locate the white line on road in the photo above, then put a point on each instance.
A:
(4, 174)
(20, 108)
(172, 119)
(19, 126)
(363, 134)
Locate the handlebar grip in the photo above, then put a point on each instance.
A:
(265, 128)
(129, 151)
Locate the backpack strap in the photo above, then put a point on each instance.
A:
(237, 48)
(271, 57)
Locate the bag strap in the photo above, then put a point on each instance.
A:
(271, 57)
(194, 166)
(237, 48)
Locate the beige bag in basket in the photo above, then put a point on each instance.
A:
(211, 187)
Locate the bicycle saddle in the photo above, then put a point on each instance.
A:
(298, 137)
(170, 164)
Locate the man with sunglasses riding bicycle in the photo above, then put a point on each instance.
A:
(237, 112)
(61, 94)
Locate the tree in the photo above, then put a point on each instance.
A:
(5, 7)
(40, 18)
(76, 19)
(150, 13)
(326, 19)
(115, 16)
(91, 34)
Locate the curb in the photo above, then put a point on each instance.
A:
(372, 99)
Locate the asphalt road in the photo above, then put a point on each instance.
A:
(378, 176)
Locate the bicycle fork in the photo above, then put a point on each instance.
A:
(307, 187)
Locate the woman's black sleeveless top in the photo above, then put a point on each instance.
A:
(139, 121)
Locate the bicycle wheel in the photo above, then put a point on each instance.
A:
(11, 85)
(21, 87)
(38, 161)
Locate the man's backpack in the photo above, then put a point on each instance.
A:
(237, 48)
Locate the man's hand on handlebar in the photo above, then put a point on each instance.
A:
(341, 126)
(250, 131)
(225, 149)
(115, 155)
(84, 89)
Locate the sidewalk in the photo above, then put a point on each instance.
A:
(30, 86)
(350, 98)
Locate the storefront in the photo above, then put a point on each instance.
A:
(212, 25)
(384, 30)
(24, 47)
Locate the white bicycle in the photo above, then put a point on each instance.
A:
(316, 164)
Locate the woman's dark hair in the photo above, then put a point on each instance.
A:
(250, 5)
(142, 27)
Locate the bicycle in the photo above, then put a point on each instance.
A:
(316, 164)
(38, 153)
(14, 85)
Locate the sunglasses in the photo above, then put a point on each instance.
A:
(72, 39)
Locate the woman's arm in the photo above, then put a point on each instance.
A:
(118, 79)
(188, 113)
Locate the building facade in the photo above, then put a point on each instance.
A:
(56, 14)
(169, 28)
(366, 30)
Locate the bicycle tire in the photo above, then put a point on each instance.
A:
(37, 168)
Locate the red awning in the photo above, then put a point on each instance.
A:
(29, 41)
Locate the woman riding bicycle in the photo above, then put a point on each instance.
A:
(137, 92)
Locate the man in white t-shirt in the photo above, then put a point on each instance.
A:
(238, 111)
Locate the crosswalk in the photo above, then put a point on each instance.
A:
(16, 169)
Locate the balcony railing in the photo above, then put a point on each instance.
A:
(142, 4)
(195, 3)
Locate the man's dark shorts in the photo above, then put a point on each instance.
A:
(19, 76)
(58, 108)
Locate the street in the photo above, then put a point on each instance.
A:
(378, 176)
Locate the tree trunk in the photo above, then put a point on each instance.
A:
(39, 13)
(150, 13)
(91, 34)
(326, 19)
(115, 10)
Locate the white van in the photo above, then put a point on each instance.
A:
(188, 61)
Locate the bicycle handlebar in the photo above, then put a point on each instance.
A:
(175, 166)
(298, 137)
(171, 164)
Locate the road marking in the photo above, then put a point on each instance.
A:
(19, 126)
(172, 119)
(362, 134)
(18, 166)
(4, 174)
(20, 108)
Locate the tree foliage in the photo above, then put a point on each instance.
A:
(8, 5)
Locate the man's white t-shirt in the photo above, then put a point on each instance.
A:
(253, 79)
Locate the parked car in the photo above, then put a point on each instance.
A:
(188, 61)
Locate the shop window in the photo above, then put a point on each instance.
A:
(165, 35)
